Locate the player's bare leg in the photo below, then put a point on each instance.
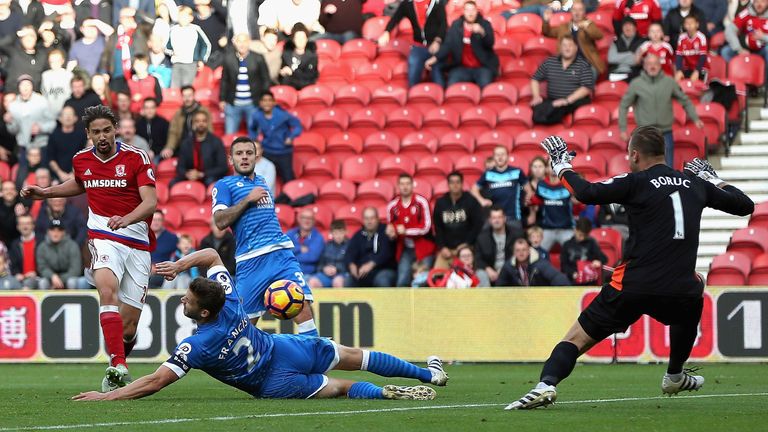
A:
(681, 340)
(305, 321)
(111, 328)
(130, 317)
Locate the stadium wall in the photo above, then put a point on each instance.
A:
(476, 325)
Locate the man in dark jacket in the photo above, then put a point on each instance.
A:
(244, 78)
(152, 127)
(673, 22)
(22, 255)
(73, 222)
(582, 247)
(202, 156)
(10, 206)
(370, 254)
(181, 124)
(25, 57)
(429, 24)
(494, 244)
(458, 219)
(224, 243)
(58, 259)
(467, 53)
(82, 97)
(526, 269)
(278, 129)
(341, 19)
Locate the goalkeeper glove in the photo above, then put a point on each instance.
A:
(703, 170)
(559, 156)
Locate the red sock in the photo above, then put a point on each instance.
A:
(112, 328)
(128, 345)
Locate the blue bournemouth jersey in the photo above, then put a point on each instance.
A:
(229, 349)
(257, 231)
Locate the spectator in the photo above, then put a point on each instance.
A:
(81, 98)
(651, 95)
(264, 167)
(714, 15)
(622, 55)
(10, 208)
(269, 50)
(100, 10)
(141, 84)
(64, 142)
(369, 257)
(165, 246)
(123, 105)
(428, 21)
(331, 271)
(59, 261)
(244, 78)
(159, 63)
(569, 79)
(748, 33)
(535, 236)
(691, 54)
(494, 244)
(127, 36)
(8, 146)
(666, 6)
(188, 47)
(33, 12)
(152, 127)
(469, 46)
(181, 123)
(212, 19)
(505, 185)
(410, 227)
(283, 15)
(202, 156)
(167, 14)
(465, 264)
(644, 12)
(24, 58)
(537, 170)
(527, 269)
(341, 19)
(127, 134)
(299, 61)
(655, 45)
(22, 255)
(29, 118)
(584, 32)
(673, 21)
(278, 129)
(458, 219)
(581, 258)
(86, 51)
(72, 220)
(7, 280)
(538, 7)
(243, 17)
(307, 241)
(145, 9)
(184, 247)
(224, 243)
(55, 85)
(10, 20)
(52, 36)
(34, 172)
(554, 209)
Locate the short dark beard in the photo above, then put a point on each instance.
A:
(248, 174)
(195, 317)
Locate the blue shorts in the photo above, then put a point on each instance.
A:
(256, 274)
(298, 367)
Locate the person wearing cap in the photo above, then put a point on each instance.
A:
(58, 259)
(25, 57)
(622, 57)
(29, 118)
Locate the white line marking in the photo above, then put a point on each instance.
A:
(356, 412)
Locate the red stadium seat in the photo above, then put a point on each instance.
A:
(718, 69)
(456, 144)
(320, 169)
(524, 24)
(488, 141)
(323, 215)
(388, 97)
(314, 98)
(422, 187)
(518, 72)
(689, 143)
(477, 120)
(381, 144)
(328, 50)
(418, 144)
(461, 96)
(358, 169)
(760, 216)
(441, 120)
(434, 169)
(604, 21)
(498, 24)
(166, 170)
(285, 215)
(591, 118)
(425, 96)
(304, 117)
(172, 217)
(577, 140)
(367, 121)
(392, 166)
(298, 188)
(730, 268)
(373, 75)
(515, 119)
(751, 241)
(336, 74)
(610, 242)
(394, 52)
(330, 120)
(197, 232)
(693, 89)
(471, 166)
(352, 97)
(352, 215)
(311, 143)
(498, 96)
(337, 193)
(507, 48)
(559, 18)
(402, 121)
(193, 191)
(748, 69)
(286, 96)
(530, 140)
(609, 93)
(358, 49)
(608, 141)
(198, 215)
(374, 27)
(344, 144)
(374, 193)
(714, 117)
(591, 166)
(539, 47)
(618, 164)
(759, 273)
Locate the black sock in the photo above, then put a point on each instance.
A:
(681, 340)
(560, 363)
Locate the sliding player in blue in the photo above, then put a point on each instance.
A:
(227, 347)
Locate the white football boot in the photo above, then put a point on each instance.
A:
(420, 393)
(117, 376)
(435, 365)
(688, 382)
(541, 396)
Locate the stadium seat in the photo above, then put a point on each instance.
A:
(760, 216)
(471, 167)
(461, 96)
(286, 96)
(714, 117)
(314, 98)
(608, 142)
(352, 97)
(610, 242)
(604, 21)
(352, 215)
(559, 18)
(434, 168)
(358, 169)
(541, 47)
(285, 215)
(336, 193)
(358, 49)
(402, 121)
(299, 188)
(591, 166)
(518, 72)
(609, 93)
(418, 144)
(498, 96)
(394, 52)
(336, 75)
(631, 122)
(530, 140)
(328, 50)
(591, 118)
(392, 166)
(161, 188)
(693, 89)
(577, 139)
(367, 121)
(489, 140)
(759, 273)
(718, 68)
(342, 145)
(400, 74)
(381, 144)
(306, 146)
(5, 171)
(374, 27)
(422, 187)
(498, 24)
(456, 144)
(199, 215)
(441, 120)
(172, 217)
(748, 69)
(689, 143)
(524, 24)
(329, 121)
(320, 169)
(476, 120)
(730, 268)
(374, 193)
(515, 119)
(618, 164)
(323, 215)
(425, 96)
(507, 47)
(166, 170)
(304, 117)
(751, 241)
(388, 98)
(373, 75)
(192, 191)
(405, 30)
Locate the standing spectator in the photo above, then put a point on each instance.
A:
(581, 258)
(537, 170)
(673, 21)
(273, 54)
(283, 15)
(494, 245)
(100, 10)
(86, 51)
(410, 225)
(224, 243)
(651, 95)
(167, 14)
(469, 46)
(59, 261)
(504, 184)
(81, 98)
(66, 140)
(181, 123)
(165, 246)
(72, 220)
(552, 200)
(127, 37)
(145, 9)
(10, 20)
(622, 55)
(369, 257)
(243, 17)
(22, 255)
(264, 167)
(644, 12)
(341, 19)
(428, 20)
(25, 57)
(584, 32)
(331, 271)
(278, 129)
(152, 127)
(29, 118)
(188, 47)
(159, 63)
(212, 19)
(691, 54)
(299, 60)
(55, 85)
(202, 156)
(535, 236)
(244, 78)
(527, 269)
(307, 241)
(10, 208)
(127, 134)
(458, 219)
(655, 45)
(33, 12)
(749, 32)
(569, 79)
(714, 15)
(141, 84)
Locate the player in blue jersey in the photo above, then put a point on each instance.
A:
(263, 365)
(263, 253)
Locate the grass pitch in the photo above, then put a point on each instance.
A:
(595, 398)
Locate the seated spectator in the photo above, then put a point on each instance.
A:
(464, 266)
(165, 247)
(644, 12)
(272, 53)
(581, 258)
(181, 123)
(29, 118)
(528, 270)
(284, 15)
(159, 63)
(458, 219)
(224, 243)
(307, 241)
(331, 271)
(244, 78)
(370, 255)
(59, 261)
(535, 235)
(55, 85)
(212, 19)
(554, 210)
(264, 167)
(278, 128)
(467, 53)
(7, 280)
(128, 35)
(655, 45)
(123, 104)
(569, 80)
(152, 127)
(538, 7)
(428, 21)
(141, 84)
(691, 54)
(71, 219)
(127, 134)
(22, 255)
(10, 208)
(715, 12)
(622, 55)
(66, 140)
(188, 47)
(673, 24)
(299, 61)
(614, 216)
(202, 156)
(86, 51)
(584, 32)
(82, 97)
(504, 184)
(494, 245)
(748, 33)
(184, 247)
(24, 58)
(410, 228)
(341, 19)
(537, 170)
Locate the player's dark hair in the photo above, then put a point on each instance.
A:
(648, 141)
(241, 139)
(455, 174)
(495, 208)
(209, 293)
(584, 225)
(338, 224)
(404, 176)
(98, 112)
(187, 87)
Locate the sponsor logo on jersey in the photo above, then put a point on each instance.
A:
(120, 171)
(105, 183)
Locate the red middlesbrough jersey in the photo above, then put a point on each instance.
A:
(663, 51)
(644, 12)
(112, 188)
(417, 220)
(691, 49)
(748, 23)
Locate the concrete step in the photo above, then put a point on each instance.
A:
(752, 138)
(764, 113)
(751, 187)
(723, 223)
(709, 213)
(703, 263)
(759, 198)
(712, 250)
(753, 161)
(743, 174)
(712, 237)
(758, 125)
(749, 150)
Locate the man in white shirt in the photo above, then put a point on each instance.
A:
(283, 15)
(264, 167)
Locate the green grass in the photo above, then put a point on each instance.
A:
(37, 396)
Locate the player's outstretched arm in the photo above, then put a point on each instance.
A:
(69, 188)
(206, 258)
(144, 386)
(720, 195)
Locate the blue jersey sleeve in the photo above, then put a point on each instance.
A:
(185, 357)
(221, 275)
(222, 199)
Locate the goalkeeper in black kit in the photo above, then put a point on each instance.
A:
(657, 275)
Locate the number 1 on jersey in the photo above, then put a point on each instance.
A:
(677, 206)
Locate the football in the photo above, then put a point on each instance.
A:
(284, 299)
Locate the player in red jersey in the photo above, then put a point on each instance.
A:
(120, 185)
(656, 46)
(644, 12)
(691, 51)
